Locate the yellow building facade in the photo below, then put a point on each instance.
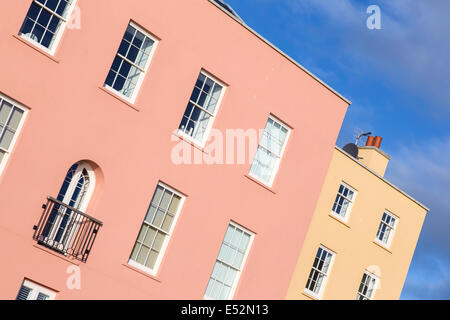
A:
(362, 235)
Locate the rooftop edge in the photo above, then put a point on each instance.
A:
(384, 179)
(279, 51)
(384, 154)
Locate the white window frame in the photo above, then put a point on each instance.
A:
(162, 252)
(350, 206)
(244, 260)
(59, 32)
(144, 70)
(16, 134)
(82, 206)
(391, 234)
(36, 289)
(213, 115)
(277, 164)
(327, 275)
(375, 287)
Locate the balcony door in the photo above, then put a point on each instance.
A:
(75, 193)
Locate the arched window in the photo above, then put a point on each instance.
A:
(65, 220)
(78, 186)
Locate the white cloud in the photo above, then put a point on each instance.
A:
(411, 49)
(423, 170)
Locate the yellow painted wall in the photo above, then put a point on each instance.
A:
(354, 242)
(374, 158)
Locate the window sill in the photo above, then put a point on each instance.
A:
(260, 183)
(112, 94)
(58, 255)
(31, 45)
(382, 246)
(141, 272)
(309, 295)
(188, 141)
(339, 220)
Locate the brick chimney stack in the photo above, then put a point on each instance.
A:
(371, 155)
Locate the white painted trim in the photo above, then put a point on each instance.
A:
(244, 260)
(92, 182)
(82, 205)
(277, 164)
(142, 75)
(162, 252)
(349, 208)
(325, 280)
(59, 32)
(36, 289)
(375, 287)
(16, 134)
(387, 245)
(201, 144)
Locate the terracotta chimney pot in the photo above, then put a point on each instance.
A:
(377, 142)
(369, 141)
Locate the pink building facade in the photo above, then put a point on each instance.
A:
(126, 221)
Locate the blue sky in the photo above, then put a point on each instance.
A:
(398, 79)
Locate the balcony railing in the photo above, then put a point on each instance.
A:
(66, 230)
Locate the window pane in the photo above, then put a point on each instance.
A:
(23, 294)
(263, 165)
(366, 288)
(34, 11)
(123, 48)
(54, 24)
(319, 271)
(51, 4)
(44, 18)
(5, 110)
(239, 257)
(138, 39)
(119, 83)
(135, 47)
(159, 216)
(228, 263)
(209, 288)
(151, 259)
(205, 94)
(15, 119)
(229, 234)
(6, 139)
(167, 223)
(167, 196)
(173, 208)
(63, 8)
(244, 242)
(150, 238)
(213, 98)
(230, 276)
(41, 24)
(129, 33)
(158, 241)
(143, 232)
(385, 230)
(135, 251)
(269, 151)
(142, 256)
(226, 254)
(42, 296)
(202, 125)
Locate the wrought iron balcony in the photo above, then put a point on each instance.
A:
(66, 230)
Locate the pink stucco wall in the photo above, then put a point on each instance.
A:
(72, 119)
